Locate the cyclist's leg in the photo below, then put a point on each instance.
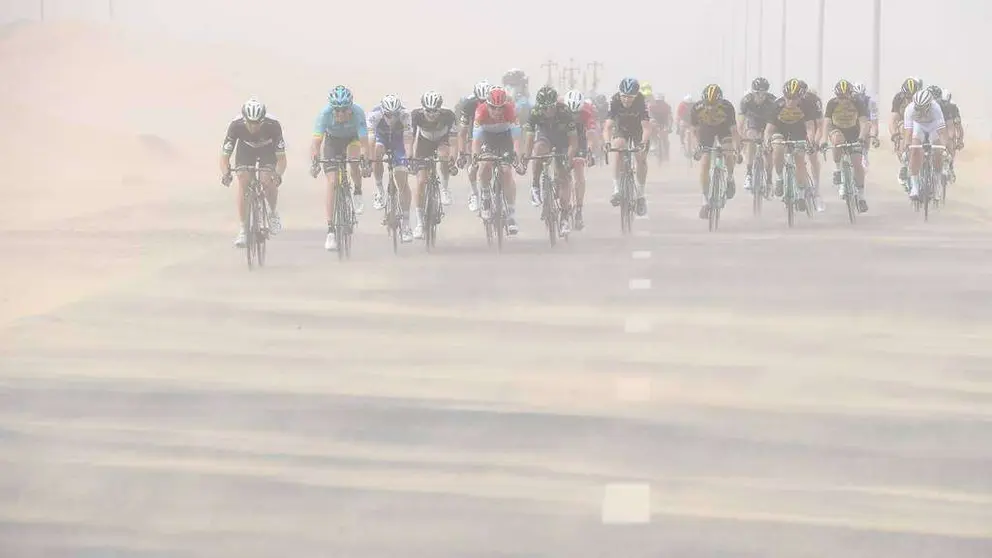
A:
(425, 149)
(730, 159)
(332, 148)
(564, 185)
(837, 137)
(503, 144)
(443, 150)
(750, 151)
(354, 150)
(778, 160)
(267, 176)
(917, 137)
(378, 169)
(707, 135)
(618, 141)
(243, 156)
(578, 164)
(401, 175)
(542, 146)
(640, 160)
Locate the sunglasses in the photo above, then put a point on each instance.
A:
(431, 111)
(628, 97)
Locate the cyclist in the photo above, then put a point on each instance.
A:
(756, 109)
(551, 125)
(516, 83)
(466, 120)
(602, 105)
(661, 119)
(792, 120)
(432, 125)
(255, 136)
(713, 121)
(815, 104)
(861, 94)
(682, 116)
(955, 132)
(902, 99)
(497, 131)
(627, 125)
(389, 127)
(846, 120)
(923, 122)
(338, 131)
(583, 112)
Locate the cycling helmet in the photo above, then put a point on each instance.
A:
(911, 85)
(936, 91)
(922, 99)
(391, 104)
(629, 86)
(687, 99)
(794, 88)
(646, 89)
(546, 96)
(481, 89)
(497, 97)
(712, 93)
(661, 96)
(253, 110)
(947, 95)
(859, 89)
(431, 100)
(843, 88)
(574, 100)
(340, 97)
(760, 85)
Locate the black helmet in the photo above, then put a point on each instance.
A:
(760, 84)
(546, 96)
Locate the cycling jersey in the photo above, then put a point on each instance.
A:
(661, 112)
(496, 131)
(757, 109)
(683, 112)
(442, 126)
(466, 110)
(951, 112)
(585, 121)
(790, 120)
(845, 114)
(870, 105)
(629, 120)
(713, 121)
(814, 104)
(555, 126)
(900, 101)
(923, 123)
(349, 123)
(267, 138)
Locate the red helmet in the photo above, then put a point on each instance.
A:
(497, 97)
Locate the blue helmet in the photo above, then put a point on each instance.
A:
(629, 86)
(340, 97)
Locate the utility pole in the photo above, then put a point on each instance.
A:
(783, 45)
(551, 66)
(820, 39)
(761, 34)
(876, 65)
(747, 40)
(570, 73)
(41, 7)
(110, 9)
(595, 66)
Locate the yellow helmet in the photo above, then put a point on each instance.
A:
(646, 89)
(712, 93)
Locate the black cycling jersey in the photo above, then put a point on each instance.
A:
(260, 146)
(442, 126)
(628, 119)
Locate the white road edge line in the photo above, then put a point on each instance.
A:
(639, 284)
(626, 504)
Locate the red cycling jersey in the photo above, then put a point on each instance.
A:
(586, 117)
(500, 122)
(683, 111)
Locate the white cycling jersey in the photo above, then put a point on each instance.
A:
(375, 117)
(922, 123)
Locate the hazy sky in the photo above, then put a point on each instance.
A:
(678, 46)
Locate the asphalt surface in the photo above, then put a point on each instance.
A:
(758, 391)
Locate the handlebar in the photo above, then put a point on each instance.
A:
(929, 146)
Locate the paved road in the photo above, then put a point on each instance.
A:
(821, 391)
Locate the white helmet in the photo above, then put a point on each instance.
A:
(859, 88)
(391, 104)
(481, 90)
(253, 110)
(687, 98)
(574, 100)
(431, 100)
(923, 99)
(947, 95)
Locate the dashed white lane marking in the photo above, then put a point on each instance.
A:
(644, 217)
(641, 254)
(634, 389)
(640, 284)
(626, 504)
(637, 324)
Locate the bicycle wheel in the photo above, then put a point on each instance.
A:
(498, 215)
(627, 200)
(342, 220)
(249, 228)
(757, 183)
(262, 228)
(716, 185)
(790, 195)
(926, 187)
(850, 193)
(430, 212)
(548, 212)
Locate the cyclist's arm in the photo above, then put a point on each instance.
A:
(647, 127)
(226, 150)
(318, 137)
(515, 134)
(607, 130)
(907, 125)
(770, 130)
(529, 129)
(280, 148)
(362, 130)
(573, 141)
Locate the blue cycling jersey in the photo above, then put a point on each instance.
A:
(351, 126)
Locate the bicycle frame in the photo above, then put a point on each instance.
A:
(718, 183)
(492, 194)
(847, 177)
(628, 191)
(256, 227)
(345, 218)
(433, 210)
